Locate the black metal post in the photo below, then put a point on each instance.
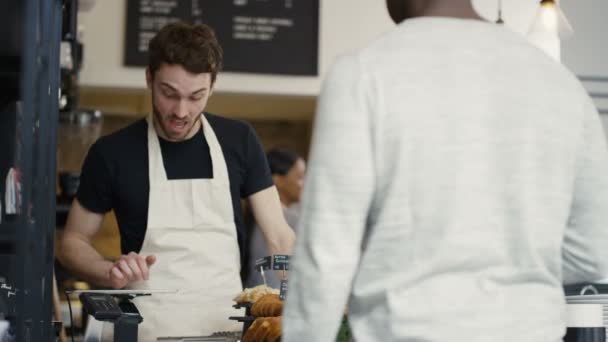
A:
(126, 327)
(24, 155)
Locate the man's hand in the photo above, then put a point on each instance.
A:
(130, 268)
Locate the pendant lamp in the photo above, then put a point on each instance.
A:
(499, 20)
(551, 19)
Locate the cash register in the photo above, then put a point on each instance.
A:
(116, 307)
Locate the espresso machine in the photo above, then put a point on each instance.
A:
(586, 312)
(78, 128)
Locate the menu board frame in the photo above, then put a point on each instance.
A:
(257, 36)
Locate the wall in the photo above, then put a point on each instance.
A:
(344, 25)
(586, 52)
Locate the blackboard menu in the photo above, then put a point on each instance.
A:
(258, 36)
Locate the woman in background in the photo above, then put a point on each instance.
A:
(288, 171)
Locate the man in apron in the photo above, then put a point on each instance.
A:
(185, 235)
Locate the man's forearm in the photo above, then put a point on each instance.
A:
(282, 243)
(82, 259)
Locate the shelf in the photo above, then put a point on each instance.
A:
(29, 63)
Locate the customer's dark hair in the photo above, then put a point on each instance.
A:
(281, 160)
(194, 47)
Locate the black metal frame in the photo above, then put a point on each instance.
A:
(29, 235)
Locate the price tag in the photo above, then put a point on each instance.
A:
(281, 262)
(283, 291)
(263, 263)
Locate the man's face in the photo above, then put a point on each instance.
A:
(178, 99)
(290, 185)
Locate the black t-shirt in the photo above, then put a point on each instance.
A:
(115, 172)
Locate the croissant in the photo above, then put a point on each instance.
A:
(249, 334)
(252, 295)
(269, 305)
(260, 333)
(274, 332)
(264, 329)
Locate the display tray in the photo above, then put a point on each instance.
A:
(242, 319)
(243, 305)
(223, 336)
(246, 320)
(247, 306)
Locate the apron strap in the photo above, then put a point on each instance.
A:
(156, 168)
(220, 169)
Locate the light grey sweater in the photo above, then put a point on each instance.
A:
(458, 177)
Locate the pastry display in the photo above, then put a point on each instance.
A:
(252, 295)
(262, 320)
(269, 305)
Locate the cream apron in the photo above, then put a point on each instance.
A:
(191, 231)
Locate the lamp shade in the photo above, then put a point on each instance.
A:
(551, 19)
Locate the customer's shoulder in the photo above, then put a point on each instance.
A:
(230, 131)
(223, 123)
